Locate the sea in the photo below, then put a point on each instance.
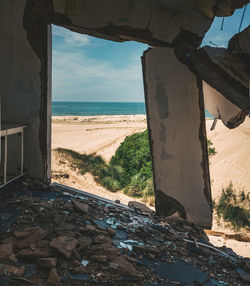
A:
(63, 108)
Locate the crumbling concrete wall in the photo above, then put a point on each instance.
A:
(178, 137)
(25, 77)
(20, 84)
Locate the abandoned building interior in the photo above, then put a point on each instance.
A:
(217, 76)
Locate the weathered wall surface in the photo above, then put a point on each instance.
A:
(20, 82)
(155, 22)
(220, 107)
(178, 137)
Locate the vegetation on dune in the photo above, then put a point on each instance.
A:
(103, 173)
(134, 157)
(211, 150)
(129, 169)
(233, 208)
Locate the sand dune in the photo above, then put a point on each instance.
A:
(232, 160)
(99, 134)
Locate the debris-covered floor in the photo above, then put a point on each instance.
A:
(50, 236)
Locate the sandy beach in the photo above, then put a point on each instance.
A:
(102, 135)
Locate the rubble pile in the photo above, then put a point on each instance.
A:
(52, 237)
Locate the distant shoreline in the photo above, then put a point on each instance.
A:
(81, 108)
(100, 116)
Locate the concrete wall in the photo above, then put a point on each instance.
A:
(20, 83)
(178, 137)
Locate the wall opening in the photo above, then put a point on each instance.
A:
(99, 129)
(227, 148)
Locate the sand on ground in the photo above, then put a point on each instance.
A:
(102, 135)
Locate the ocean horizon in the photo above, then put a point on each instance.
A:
(81, 108)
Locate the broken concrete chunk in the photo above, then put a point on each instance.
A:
(10, 240)
(22, 234)
(126, 268)
(5, 250)
(54, 278)
(101, 238)
(84, 242)
(14, 270)
(111, 231)
(64, 244)
(113, 266)
(99, 258)
(146, 249)
(36, 236)
(139, 206)
(107, 249)
(76, 254)
(81, 207)
(12, 257)
(33, 254)
(47, 262)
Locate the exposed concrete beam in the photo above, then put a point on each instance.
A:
(155, 22)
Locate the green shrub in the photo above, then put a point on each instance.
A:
(211, 150)
(133, 155)
(149, 188)
(110, 184)
(234, 209)
(136, 186)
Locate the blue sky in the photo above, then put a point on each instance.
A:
(85, 68)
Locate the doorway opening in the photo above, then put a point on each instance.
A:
(99, 129)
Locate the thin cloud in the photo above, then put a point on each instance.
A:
(72, 38)
(78, 77)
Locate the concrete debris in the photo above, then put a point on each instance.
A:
(53, 277)
(124, 246)
(140, 206)
(5, 250)
(64, 244)
(47, 262)
(81, 207)
(7, 269)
